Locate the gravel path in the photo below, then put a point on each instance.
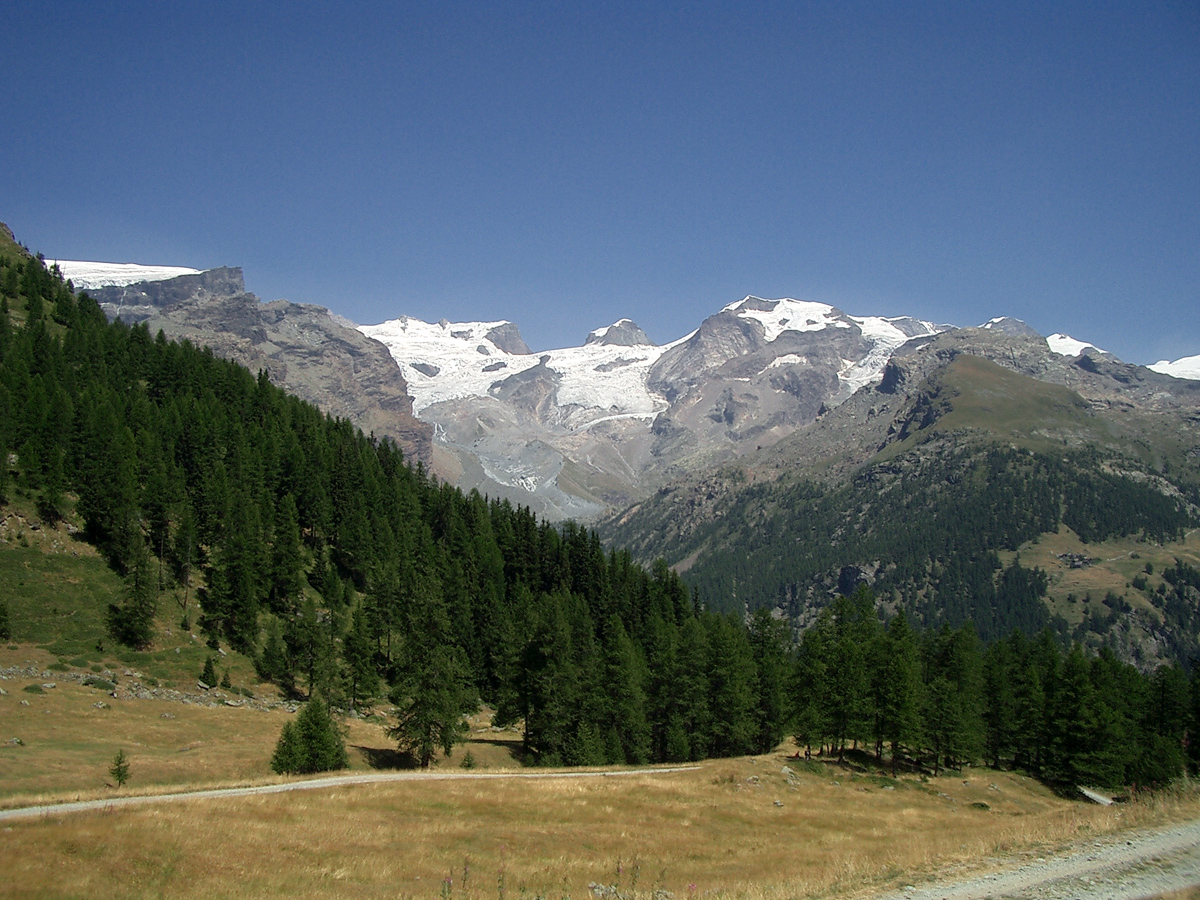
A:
(59, 809)
(1123, 867)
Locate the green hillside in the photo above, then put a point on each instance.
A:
(979, 466)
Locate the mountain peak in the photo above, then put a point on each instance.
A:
(1009, 325)
(622, 333)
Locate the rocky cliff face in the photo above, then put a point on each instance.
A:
(305, 349)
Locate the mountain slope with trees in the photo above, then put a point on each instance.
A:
(320, 553)
(927, 489)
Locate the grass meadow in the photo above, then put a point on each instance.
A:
(746, 827)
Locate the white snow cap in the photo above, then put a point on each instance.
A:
(1187, 367)
(91, 275)
(787, 315)
(1065, 345)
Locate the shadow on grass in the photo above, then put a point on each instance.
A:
(516, 749)
(386, 758)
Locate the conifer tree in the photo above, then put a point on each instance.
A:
(132, 622)
(768, 646)
(899, 690)
(361, 675)
(433, 690)
(311, 743)
(119, 770)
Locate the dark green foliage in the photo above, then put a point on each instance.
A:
(119, 770)
(209, 675)
(930, 523)
(5, 627)
(311, 743)
(899, 691)
(362, 678)
(432, 689)
(132, 622)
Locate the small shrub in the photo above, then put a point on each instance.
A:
(468, 760)
(100, 684)
(59, 667)
(80, 662)
(225, 682)
(209, 675)
(34, 689)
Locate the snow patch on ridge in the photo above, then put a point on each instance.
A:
(787, 315)
(92, 275)
(1187, 367)
(1065, 345)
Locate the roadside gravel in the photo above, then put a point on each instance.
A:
(1130, 866)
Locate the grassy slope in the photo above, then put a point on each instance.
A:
(734, 827)
(1114, 565)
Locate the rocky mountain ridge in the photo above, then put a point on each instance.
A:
(306, 349)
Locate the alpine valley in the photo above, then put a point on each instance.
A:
(782, 453)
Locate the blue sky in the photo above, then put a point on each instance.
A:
(563, 164)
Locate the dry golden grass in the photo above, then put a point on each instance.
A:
(715, 830)
(69, 743)
(1118, 561)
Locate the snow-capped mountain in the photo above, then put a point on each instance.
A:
(575, 431)
(579, 429)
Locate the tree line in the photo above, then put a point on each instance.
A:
(939, 699)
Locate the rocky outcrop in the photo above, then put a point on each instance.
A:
(624, 333)
(304, 349)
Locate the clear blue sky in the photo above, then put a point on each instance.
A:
(565, 164)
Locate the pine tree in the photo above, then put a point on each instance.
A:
(119, 770)
(275, 663)
(313, 743)
(899, 691)
(132, 622)
(361, 675)
(209, 675)
(433, 690)
(768, 645)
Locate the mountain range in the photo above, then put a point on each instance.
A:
(576, 432)
(783, 452)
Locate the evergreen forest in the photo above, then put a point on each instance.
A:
(350, 575)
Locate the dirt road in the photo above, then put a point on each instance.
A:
(1123, 867)
(333, 781)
